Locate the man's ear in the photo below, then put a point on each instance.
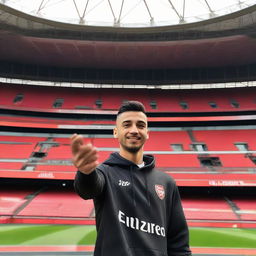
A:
(148, 134)
(115, 132)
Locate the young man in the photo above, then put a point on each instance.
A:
(138, 209)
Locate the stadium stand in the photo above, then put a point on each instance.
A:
(215, 138)
(217, 100)
(11, 200)
(55, 204)
(55, 168)
(60, 204)
(208, 208)
(170, 153)
(15, 151)
(182, 153)
(245, 207)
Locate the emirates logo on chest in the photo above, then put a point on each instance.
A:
(160, 191)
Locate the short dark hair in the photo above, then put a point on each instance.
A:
(131, 106)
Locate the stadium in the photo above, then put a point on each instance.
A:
(194, 72)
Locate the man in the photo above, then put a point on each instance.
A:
(138, 209)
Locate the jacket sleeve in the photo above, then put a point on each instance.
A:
(177, 233)
(89, 186)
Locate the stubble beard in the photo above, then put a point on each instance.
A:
(132, 149)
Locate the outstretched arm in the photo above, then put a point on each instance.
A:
(89, 182)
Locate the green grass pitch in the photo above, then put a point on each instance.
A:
(85, 235)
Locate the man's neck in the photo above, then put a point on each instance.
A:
(136, 158)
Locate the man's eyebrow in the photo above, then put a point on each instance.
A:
(126, 121)
(129, 121)
(141, 122)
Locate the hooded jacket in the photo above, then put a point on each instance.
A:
(138, 210)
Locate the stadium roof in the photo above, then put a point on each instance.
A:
(216, 50)
(128, 13)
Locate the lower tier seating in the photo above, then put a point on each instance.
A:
(65, 203)
(58, 204)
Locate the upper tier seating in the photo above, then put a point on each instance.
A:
(154, 100)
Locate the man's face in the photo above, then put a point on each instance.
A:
(131, 130)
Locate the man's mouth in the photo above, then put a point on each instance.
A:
(133, 138)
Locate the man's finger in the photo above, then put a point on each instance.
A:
(76, 143)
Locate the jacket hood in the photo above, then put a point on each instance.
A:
(116, 159)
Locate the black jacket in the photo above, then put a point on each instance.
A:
(138, 210)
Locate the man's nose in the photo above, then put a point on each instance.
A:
(134, 129)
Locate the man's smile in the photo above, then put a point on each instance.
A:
(133, 138)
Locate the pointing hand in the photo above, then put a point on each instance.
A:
(85, 156)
